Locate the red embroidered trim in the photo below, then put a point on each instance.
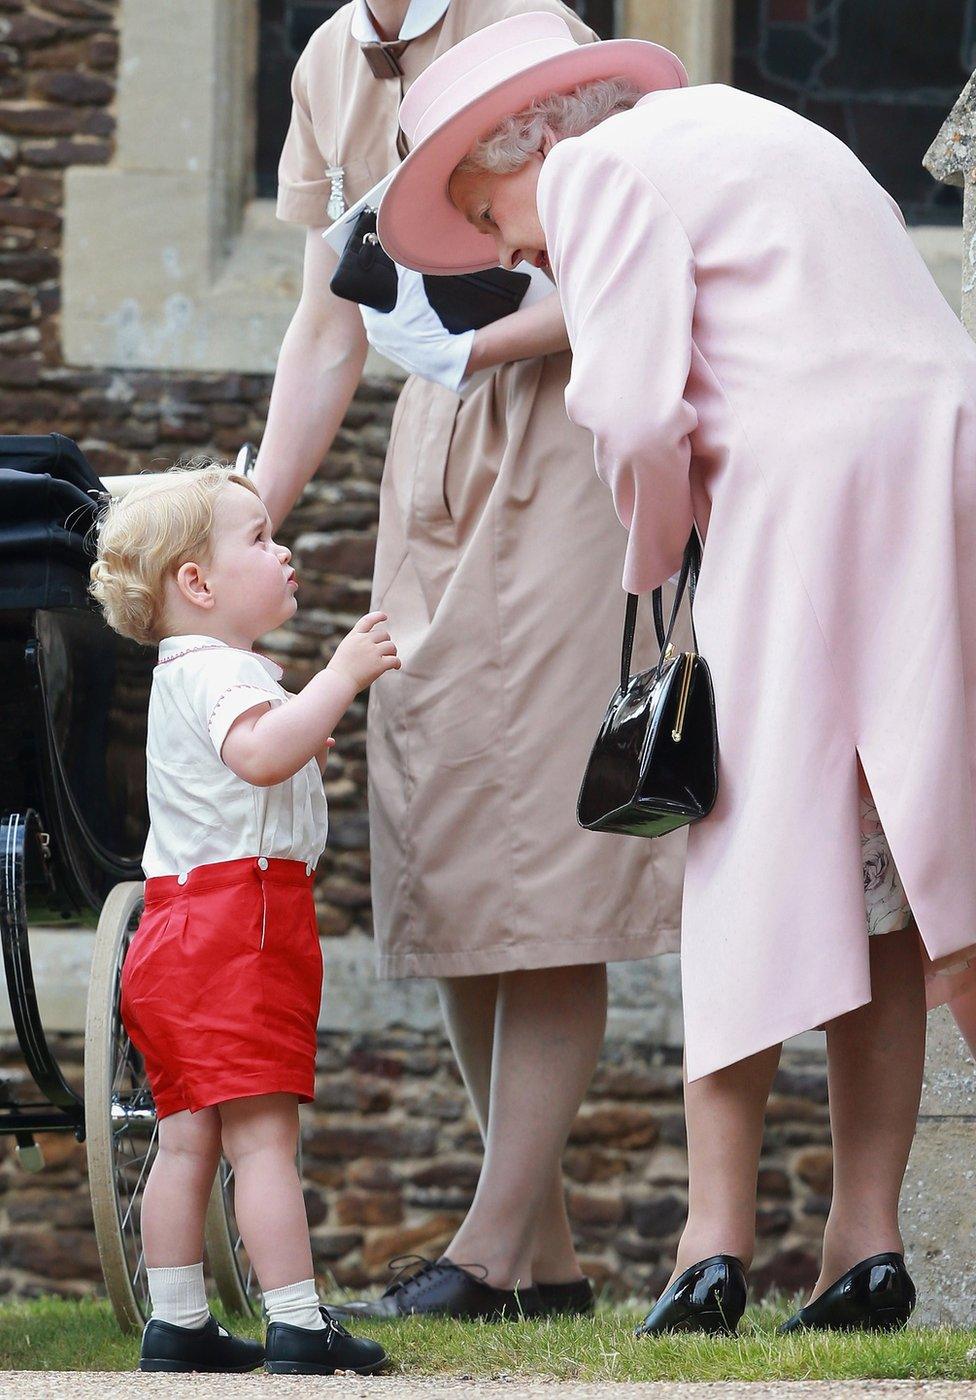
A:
(270, 694)
(191, 651)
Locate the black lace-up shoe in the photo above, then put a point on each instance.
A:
(166, 1347)
(445, 1289)
(708, 1297)
(574, 1299)
(295, 1351)
(877, 1295)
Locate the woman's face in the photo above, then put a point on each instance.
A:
(504, 207)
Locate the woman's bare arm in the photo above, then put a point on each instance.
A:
(533, 330)
(321, 362)
(319, 368)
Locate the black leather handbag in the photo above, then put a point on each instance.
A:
(654, 766)
(364, 272)
(466, 302)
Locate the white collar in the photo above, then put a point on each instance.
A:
(421, 16)
(172, 647)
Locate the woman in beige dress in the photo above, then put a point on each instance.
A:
(496, 560)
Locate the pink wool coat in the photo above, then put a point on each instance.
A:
(757, 346)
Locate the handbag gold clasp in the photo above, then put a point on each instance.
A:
(679, 723)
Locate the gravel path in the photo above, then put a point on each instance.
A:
(102, 1385)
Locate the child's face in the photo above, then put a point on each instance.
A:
(250, 580)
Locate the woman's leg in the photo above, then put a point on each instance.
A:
(174, 1202)
(260, 1137)
(549, 1027)
(469, 1005)
(724, 1113)
(875, 1058)
(963, 1008)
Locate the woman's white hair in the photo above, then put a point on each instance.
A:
(507, 148)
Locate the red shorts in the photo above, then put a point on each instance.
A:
(222, 984)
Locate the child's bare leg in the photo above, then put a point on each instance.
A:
(875, 1057)
(174, 1202)
(260, 1137)
(174, 1206)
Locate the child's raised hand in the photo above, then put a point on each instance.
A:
(366, 653)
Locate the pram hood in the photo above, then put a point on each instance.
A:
(49, 501)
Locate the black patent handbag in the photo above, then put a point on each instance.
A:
(654, 766)
(365, 273)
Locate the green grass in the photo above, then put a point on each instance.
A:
(51, 1334)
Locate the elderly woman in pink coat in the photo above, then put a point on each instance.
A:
(759, 350)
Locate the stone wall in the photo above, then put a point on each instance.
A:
(391, 1156)
(391, 1151)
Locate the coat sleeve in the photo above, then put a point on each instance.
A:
(626, 278)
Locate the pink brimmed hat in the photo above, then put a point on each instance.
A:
(462, 96)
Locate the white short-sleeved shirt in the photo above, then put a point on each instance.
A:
(200, 811)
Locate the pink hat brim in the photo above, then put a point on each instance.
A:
(419, 226)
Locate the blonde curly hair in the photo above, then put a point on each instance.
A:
(143, 537)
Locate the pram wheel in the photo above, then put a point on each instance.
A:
(120, 1116)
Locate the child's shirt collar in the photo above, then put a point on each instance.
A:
(171, 648)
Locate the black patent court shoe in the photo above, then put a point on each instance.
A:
(708, 1297)
(877, 1295)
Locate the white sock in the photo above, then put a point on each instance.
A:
(179, 1296)
(297, 1304)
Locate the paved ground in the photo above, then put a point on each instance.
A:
(55, 1385)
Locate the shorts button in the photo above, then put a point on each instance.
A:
(182, 879)
(262, 863)
(308, 869)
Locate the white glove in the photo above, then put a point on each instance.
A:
(412, 336)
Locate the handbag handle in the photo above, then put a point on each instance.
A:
(690, 565)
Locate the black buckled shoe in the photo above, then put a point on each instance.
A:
(166, 1347)
(708, 1297)
(295, 1351)
(444, 1289)
(574, 1299)
(877, 1295)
